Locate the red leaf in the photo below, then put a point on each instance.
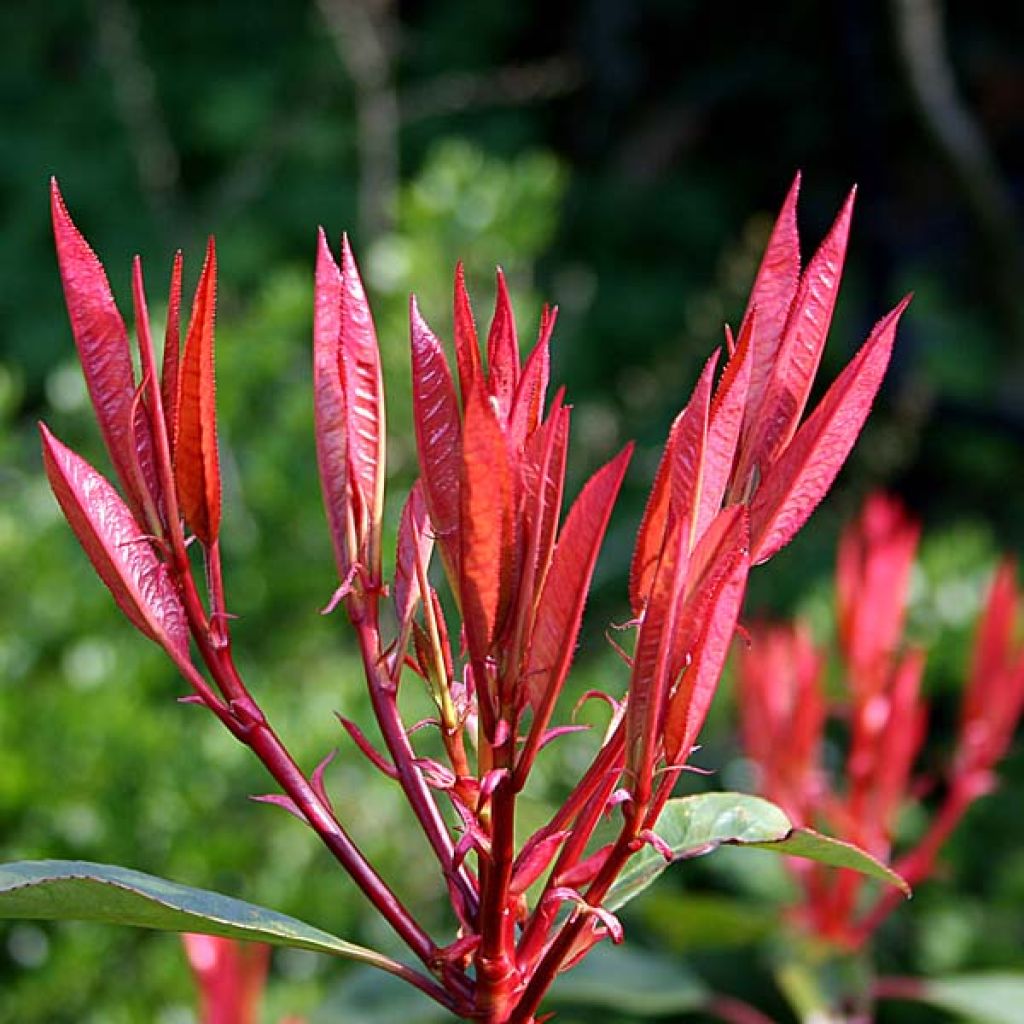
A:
(438, 435)
(560, 611)
(485, 521)
(364, 389)
(717, 610)
(102, 342)
(502, 352)
(799, 352)
(724, 424)
(772, 296)
(676, 486)
(172, 353)
(329, 403)
(652, 669)
(805, 470)
(467, 346)
(196, 466)
(112, 538)
(528, 407)
(414, 545)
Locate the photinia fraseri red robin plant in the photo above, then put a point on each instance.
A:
(785, 710)
(742, 471)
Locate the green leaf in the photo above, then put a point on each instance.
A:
(988, 998)
(80, 891)
(634, 981)
(694, 825)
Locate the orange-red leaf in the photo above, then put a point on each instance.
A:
(502, 352)
(172, 352)
(528, 406)
(196, 463)
(467, 345)
(103, 349)
(800, 348)
(438, 435)
(486, 529)
(804, 472)
(331, 421)
(560, 611)
(115, 543)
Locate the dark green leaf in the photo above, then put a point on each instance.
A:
(80, 891)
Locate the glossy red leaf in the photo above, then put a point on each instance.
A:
(717, 612)
(196, 463)
(115, 544)
(415, 544)
(102, 341)
(771, 297)
(502, 352)
(172, 352)
(467, 344)
(364, 388)
(528, 406)
(724, 423)
(485, 521)
(560, 611)
(805, 470)
(799, 352)
(329, 406)
(676, 490)
(438, 435)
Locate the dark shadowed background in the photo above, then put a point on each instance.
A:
(621, 159)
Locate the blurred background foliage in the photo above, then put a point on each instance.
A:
(621, 159)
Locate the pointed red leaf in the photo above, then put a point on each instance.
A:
(172, 353)
(103, 349)
(115, 543)
(485, 521)
(677, 484)
(717, 611)
(772, 296)
(438, 435)
(467, 345)
(805, 470)
(329, 406)
(652, 669)
(364, 389)
(528, 406)
(800, 348)
(502, 352)
(560, 611)
(414, 546)
(724, 423)
(196, 465)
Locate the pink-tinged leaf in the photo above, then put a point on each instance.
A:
(502, 352)
(438, 435)
(534, 860)
(676, 490)
(114, 542)
(172, 352)
(772, 296)
(196, 464)
(485, 521)
(329, 406)
(688, 706)
(805, 470)
(560, 611)
(103, 349)
(800, 348)
(724, 423)
(652, 669)
(415, 544)
(364, 388)
(467, 344)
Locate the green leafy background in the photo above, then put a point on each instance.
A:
(620, 159)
